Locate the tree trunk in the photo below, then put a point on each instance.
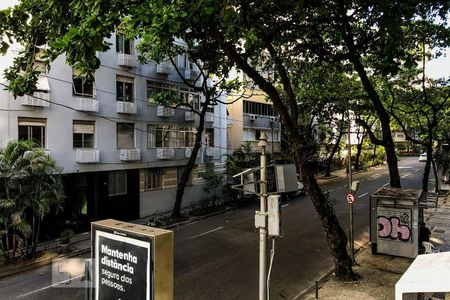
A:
(176, 213)
(333, 152)
(358, 152)
(426, 172)
(335, 235)
(436, 178)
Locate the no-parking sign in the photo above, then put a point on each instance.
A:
(350, 198)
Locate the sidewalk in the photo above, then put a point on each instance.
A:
(381, 272)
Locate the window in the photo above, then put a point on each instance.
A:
(190, 97)
(154, 88)
(257, 108)
(251, 134)
(170, 177)
(125, 135)
(123, 44)
(82, 85)
(209, 137)
(117, 183)
(150, 179)
(170, 136)
(83, 134)
(124, 89)
(32, 129)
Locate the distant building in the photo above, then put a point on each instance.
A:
(122, 154)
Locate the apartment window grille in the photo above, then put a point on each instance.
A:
(33, 129)
(83, 134)
(150, 179)
(154, 88)
(124, 89)
(257, 108)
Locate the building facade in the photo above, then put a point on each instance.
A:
(122, 154)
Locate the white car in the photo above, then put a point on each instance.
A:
(423, 157)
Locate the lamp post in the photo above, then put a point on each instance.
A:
(263, 225)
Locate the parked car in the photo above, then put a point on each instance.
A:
(423, 157)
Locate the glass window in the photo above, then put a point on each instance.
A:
(32, 129)
(154, 88)
(82, 85)
(117, 183)
(150, 179)
(124, 89)
(209, 137)
(125, 135)
(151, 136)
(170, 177)
(123, 45)
(83, 134)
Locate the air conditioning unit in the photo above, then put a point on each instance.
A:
(162, 111)
(253, 117)
(87, 156)
(165, 153)
(86, 104)
(189, 116)
(130, 154)
(123, 107)
(38, 99)
(125, 60)
(273, 119)
(187, 152)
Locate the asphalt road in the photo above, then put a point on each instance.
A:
(217, 258)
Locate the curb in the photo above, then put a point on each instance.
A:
(42, 262)
(327, 275)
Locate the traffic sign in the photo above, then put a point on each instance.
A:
(350, 198)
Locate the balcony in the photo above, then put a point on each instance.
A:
(130, 154)
(165, 153)
(191, 74)
(209, 151)
(86, 156)
(209, 117)
(164, 68)
(187, 152)
(189, 116)
(123, 107)
(86, 104)
(162, 111)
(37, 99)
(125, 60)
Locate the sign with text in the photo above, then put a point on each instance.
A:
(123, 267)
(131, 261)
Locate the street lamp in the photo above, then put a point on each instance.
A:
(263, 144)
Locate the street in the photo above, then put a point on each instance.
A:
(217, 258)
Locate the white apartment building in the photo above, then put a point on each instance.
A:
(122, 154)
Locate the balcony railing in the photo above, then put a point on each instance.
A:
(86, 104)
(87, 156)
(165, 153)
(130, 154)
(123, 107)
(37, 99)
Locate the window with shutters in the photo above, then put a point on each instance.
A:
(125, 135)
(32, 129)
(83, 134)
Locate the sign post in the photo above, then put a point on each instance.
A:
(131, 261)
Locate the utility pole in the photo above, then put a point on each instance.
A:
(262, 216)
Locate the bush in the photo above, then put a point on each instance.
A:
(66, 235)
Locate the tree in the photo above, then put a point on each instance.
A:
(255, 37)
(30, 188)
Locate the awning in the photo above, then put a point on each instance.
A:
(42, 84)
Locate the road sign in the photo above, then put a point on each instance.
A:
(350, 198)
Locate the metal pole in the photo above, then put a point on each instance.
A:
(350, 179)
(263, 230)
